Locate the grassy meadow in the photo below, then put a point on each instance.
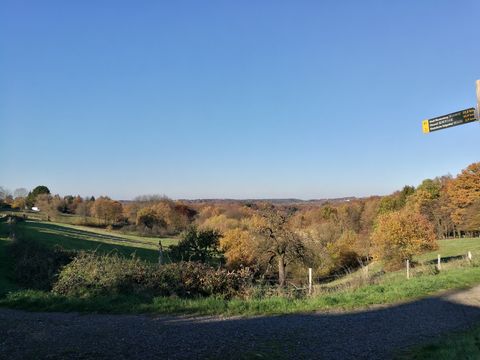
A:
(76, 237)
(452, 248)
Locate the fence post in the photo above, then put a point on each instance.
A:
(310, 285)
(160, 252)
(408, 269)
(439, 264)
(469, 255)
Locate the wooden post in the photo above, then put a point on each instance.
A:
(160, 252)
(310, 282)
(478, 100)
(439, 264)
(408, 269)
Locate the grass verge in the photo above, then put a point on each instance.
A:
(462, 345)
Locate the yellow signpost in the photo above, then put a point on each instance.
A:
(425, 127)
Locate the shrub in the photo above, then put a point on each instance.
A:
(36, 266)
(93, 275)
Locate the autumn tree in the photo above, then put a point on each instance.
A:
(19, 203)
(45, 202)
(83, 209)
(72, 207)
(431, 200)
(148, 217)
(325, 242)
(162, 216)
(239, 247)
(396, 201)
(221, 223)
(399, 235)
(130, 211)
(463, 192)
(277, 240)
(108, 210)
(367, 219)
(442, 216)
(472, 218)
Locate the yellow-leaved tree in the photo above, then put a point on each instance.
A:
(239, 248)
(464, 191)
(399, 235)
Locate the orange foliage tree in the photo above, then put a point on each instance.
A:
(399, 235)
(108, 210)
(463, 192)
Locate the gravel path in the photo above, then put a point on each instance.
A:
(371, 334)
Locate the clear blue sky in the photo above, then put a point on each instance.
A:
(241, 99)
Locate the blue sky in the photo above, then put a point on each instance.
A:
(240, 99)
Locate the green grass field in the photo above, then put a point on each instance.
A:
(74, 237)
(452, 248)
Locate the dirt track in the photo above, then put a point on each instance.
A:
(370, 334)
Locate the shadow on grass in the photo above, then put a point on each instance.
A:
(372, 334)
(6, 264)
(445, 259)
(75, 239)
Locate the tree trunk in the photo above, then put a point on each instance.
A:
(281, 270)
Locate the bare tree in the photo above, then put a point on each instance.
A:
(20, 193)
(278, 241)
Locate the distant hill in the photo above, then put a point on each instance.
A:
(273, 201)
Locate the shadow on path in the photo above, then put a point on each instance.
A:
(370, 334)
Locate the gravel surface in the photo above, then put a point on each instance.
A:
(375, 333)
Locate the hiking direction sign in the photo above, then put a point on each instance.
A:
(457, 118)
(454, 119)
